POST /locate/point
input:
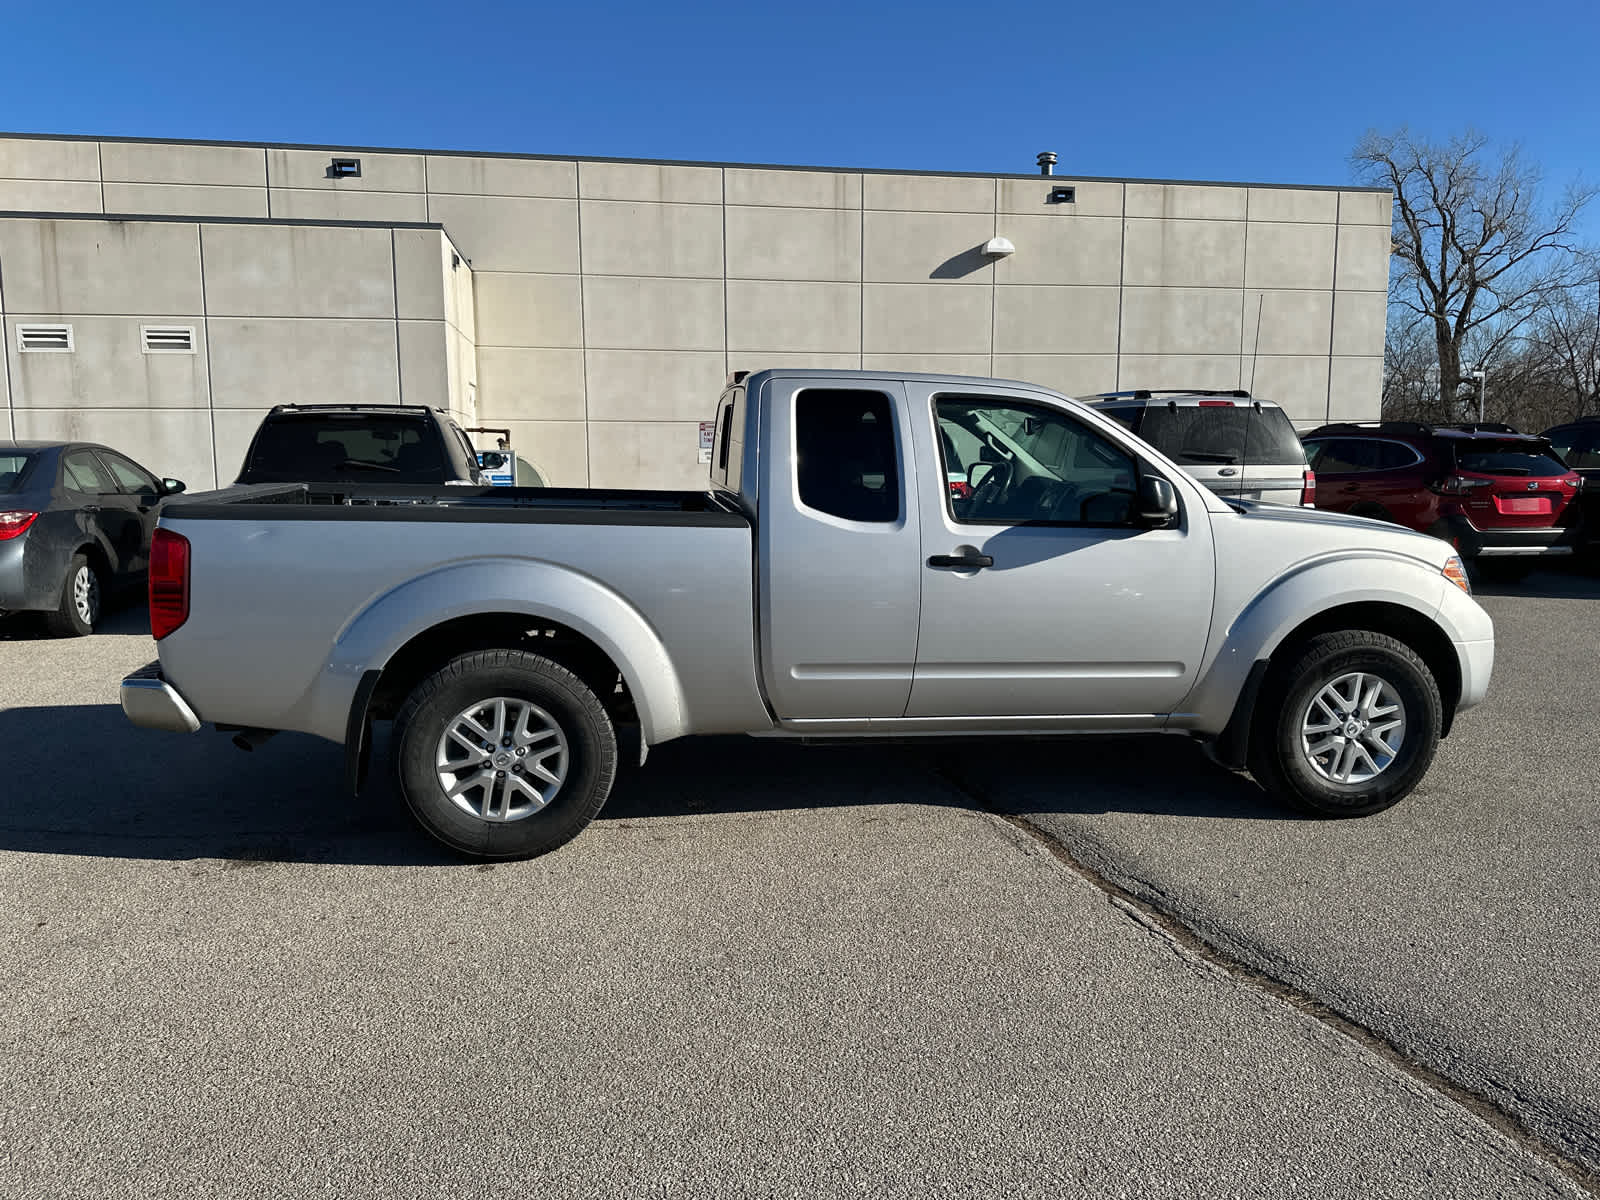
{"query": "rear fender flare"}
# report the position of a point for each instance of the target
(539, 590)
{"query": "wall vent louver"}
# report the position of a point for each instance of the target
(44, 339)
(167, 339)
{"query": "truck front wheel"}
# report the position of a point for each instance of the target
(1348, 726)
(504, 754)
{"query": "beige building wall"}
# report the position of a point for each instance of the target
(606, 301)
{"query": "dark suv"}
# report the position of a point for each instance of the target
(1578, 443)
(1495, 494)
(349, 443)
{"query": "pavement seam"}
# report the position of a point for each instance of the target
(1196, 950)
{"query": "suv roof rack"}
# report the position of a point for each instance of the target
(1419, 429)
(1152, 393)
(1478, 427)
(405, 408)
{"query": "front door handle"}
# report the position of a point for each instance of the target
(91, 508)
(970, 561)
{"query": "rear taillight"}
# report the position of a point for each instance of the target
(1308, 489)
(15, 524)
(169, 582)
(1460, 485)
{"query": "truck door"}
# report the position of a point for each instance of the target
(839, 554)
(1041, 595)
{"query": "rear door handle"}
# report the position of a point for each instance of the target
(962, 562)
(91, 508)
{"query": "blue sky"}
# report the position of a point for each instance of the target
(1240, 90)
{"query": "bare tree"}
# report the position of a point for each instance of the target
(1475, 253)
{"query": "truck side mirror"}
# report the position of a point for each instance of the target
(1158, 502)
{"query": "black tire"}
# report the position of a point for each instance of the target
(69, 618)
(1278, 757)
(589, 761)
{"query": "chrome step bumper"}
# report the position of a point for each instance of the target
(150, 702)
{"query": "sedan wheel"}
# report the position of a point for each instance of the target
(78, 610)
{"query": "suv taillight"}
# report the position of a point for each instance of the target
(169, 582)
(1458, 485)
(1308, 489)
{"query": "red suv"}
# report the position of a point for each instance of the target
(1501, 497)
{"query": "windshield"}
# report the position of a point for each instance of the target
(372, 446)
(13, 466)
(1508, 458)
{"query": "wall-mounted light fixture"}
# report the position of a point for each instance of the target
(1063, 195)
(998, 247)
(344, 168)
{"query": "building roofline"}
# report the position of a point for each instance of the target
(7, 214)
(676, 162)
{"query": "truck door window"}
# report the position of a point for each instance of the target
(1032, 464)
(845, 454)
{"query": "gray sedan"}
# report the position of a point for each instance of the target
(75, 525)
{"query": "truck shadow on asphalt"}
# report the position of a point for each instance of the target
(80, 780)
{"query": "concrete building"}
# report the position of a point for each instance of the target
(160, 296)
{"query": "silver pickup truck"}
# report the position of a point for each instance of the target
(878, 555)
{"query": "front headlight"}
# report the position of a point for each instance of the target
(1456, 573)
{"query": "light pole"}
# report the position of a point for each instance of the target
(1479, 375)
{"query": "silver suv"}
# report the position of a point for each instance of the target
(1238, 446)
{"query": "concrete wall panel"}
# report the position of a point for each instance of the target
(1055, 320)
(917, 247)
(1357, 389)
(928, 193)
(1184, 253)
(1181, 321)
(558, 450)
(1082, 250)
(932, 364)
(108, 367)
(1188, 201)
(49, 195)
(1283, 255)
(1359, 323)
(652, 239)
(69, 267)
(1366, 208)
(233, 428)
(460, 174)
(425, 364)
(501, 233)
(1179, 371)
(1291, 322)
(646, 454)
(652, 314)
(178, 200)
(420, 267)
(298, 271)
(1363, 258)
(824, 317)
(42, 158)
(926, 318)
(793, 189)
(653, 385)
(520, 384)
(793, 243)
(379, 172)
(309, 204)
(1071, 374)
(1294, 204)
(1299, 385)
(1032, 196)
(172, 442)
(760, 360)
(259, 362)
(528, 310)
(650, 182)
(190, 166)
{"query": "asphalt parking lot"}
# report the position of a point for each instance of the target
(1057, 969)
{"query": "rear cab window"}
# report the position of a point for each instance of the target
(846, 454)
(292, 447)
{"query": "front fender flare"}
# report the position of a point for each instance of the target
(538, 590)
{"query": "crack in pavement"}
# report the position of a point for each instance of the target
(1193, 947)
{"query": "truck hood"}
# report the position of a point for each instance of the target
(1340, 530)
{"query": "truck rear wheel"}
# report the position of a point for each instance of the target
(1347, 727)
(504, 754)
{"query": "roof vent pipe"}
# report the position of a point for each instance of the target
(1047, 162)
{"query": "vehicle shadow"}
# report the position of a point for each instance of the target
(1568, 581)
(81, 780)
(125, 619)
